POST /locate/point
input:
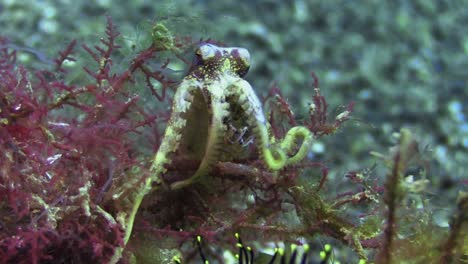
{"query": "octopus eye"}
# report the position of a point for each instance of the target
(242, 57)
(206, 52)
(198, 52)
(197, 59)
(203, 54)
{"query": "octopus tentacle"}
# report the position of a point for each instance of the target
(289, 142)
(172, 136)
(274, 158)
(182, 102)
(256, 118)
(216, 132)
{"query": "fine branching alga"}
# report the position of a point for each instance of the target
(110, 156)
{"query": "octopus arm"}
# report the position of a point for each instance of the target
(216, 132)
(170, 143)
(275, 156)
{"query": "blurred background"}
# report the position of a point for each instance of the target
(403, 64)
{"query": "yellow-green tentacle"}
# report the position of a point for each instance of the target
(275, 157)
(216, 131)
(170, 143)
(290, 142)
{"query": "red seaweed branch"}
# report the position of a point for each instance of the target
(65, 148)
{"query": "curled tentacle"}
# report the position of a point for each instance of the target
(275, 157)
(289, 142)
(216, 132)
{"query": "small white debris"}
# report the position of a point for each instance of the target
(54, 158)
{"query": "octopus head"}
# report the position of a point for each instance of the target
(210, 61)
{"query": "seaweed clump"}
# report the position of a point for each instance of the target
(75, 150)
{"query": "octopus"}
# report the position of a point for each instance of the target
(211, 101)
